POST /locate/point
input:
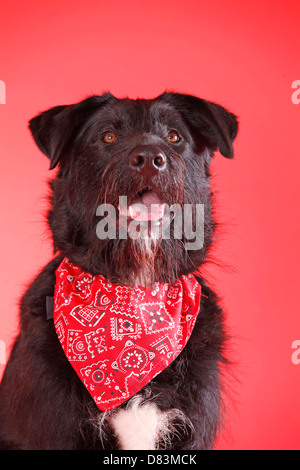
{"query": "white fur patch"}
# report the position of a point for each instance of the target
(142, 426)
(137, 428)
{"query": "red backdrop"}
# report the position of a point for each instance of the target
(244, 55)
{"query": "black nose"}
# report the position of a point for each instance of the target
(147, 160)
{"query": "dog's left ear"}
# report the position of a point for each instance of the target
(54, 130)
(210, 121)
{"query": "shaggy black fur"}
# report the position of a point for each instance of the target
(43, 404)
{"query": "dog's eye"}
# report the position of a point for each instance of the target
(173, 137)
(109, 137)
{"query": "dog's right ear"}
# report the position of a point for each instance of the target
(209, 120)
(55, 130)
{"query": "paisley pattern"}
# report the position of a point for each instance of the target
(118, 338)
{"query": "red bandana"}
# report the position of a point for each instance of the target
(119, 338)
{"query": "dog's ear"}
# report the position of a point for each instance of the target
(54, 130)
(217, 126)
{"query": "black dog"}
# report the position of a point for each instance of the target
(156, 152)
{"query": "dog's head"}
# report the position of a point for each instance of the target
(131, 198)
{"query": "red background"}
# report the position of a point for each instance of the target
(244, 55)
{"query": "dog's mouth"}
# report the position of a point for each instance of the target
(145, 206)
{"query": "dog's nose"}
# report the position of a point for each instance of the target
(147, 160)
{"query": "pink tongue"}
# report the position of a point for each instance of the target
(146, 207)
(149, 197)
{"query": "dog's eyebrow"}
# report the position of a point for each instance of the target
(100, 122)
(166, 114)
(171, 120)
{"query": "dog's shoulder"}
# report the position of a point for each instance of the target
(33, 302)
(210, 321)
(209, 298)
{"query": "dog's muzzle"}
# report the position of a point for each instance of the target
(146, 162)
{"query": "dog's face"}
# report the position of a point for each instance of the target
(128, 170)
